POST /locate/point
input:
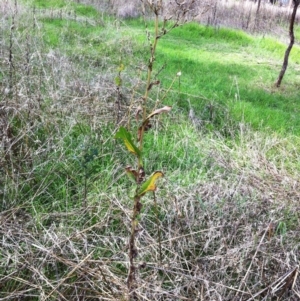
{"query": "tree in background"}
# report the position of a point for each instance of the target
(257, 12)
(292, 41)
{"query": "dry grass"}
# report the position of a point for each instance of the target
(231, 234)
(271, 19)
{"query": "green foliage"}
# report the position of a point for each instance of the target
(67, 34)
(62, 178)
(126, 137)
(86, 11)
(297, 32)
(172, 150)
(79, 9)
(227, 71)
(195, 32)
(49, 3)
(150, 183)
(277, 49)
(216, 63)
(221, 65)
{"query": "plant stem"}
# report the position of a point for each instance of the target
(149, 75)
(131, 280)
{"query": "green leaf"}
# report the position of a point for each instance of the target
(150, 185)
(126, 137)
(121, 67)
(118, 81)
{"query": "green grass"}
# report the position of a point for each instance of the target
(79, 9)
(69, 34)
(233, 67)
(222, 65)
(86, 11)
(49, 3)
(297, 33)
(195, 32)
(69, 173)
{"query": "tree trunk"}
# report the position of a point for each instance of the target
(258, 7)
(256, 21)
(292, 40)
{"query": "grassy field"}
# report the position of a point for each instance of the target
(218, 65)
(226, 222)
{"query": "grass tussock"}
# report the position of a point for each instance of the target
(224, 224)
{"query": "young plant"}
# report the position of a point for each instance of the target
(143, 186)
(137, 173)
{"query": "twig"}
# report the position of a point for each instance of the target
(158, 227)
(68, 275)
(256, 251)
(198, 279)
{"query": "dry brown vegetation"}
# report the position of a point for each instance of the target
(232, 233)
(243, 14)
